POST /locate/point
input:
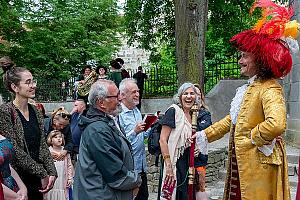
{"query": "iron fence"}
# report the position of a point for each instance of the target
(222, 67)
(161, 82)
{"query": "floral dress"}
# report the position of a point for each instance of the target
(6, 154)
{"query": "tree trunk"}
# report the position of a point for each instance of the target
(190, 28)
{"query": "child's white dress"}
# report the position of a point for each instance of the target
(59, 190)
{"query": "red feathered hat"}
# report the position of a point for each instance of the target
(266, 39)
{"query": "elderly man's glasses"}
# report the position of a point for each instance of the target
(30, 83)
(112, 96)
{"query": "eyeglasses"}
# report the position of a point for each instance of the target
(112, 96)
(64, 115)
(31, 83)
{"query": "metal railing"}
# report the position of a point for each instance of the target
(161, 82)
(221, 68)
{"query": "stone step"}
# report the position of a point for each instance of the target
(293, 158)
(293, 191)
(293, 181)
(293, 168)
(215, 191)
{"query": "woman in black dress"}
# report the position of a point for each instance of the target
(22, 124)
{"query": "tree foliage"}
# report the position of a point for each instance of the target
(150, 21)
(55, 38)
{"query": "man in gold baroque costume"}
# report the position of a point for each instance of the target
(257, 162)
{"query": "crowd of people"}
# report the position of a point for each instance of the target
(116, 72)
(97, 151)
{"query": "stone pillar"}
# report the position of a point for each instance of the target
(291, 86)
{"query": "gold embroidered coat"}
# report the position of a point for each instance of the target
(263, 114)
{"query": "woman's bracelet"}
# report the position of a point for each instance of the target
(167, 156)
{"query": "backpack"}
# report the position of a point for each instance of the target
(153, 141)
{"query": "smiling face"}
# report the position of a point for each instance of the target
(188, 98)
(248, 65)
(87, 71)
(130, 97)
(26, 87)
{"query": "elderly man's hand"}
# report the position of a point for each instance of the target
(139, 127)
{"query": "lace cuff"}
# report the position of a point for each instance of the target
(266, 149)
(202, 142)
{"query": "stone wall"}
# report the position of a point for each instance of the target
(216, 161)
(133, 56)
(291, 86)
(219, 98)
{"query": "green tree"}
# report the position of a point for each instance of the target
(152, 22)
(156, 22)
(11, 30)
(59, 37)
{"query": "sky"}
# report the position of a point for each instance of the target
(121, 4)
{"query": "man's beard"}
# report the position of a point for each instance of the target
(134, 102)
(117, 111)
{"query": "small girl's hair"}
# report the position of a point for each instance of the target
(52, 134)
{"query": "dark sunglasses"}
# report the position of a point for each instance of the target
(64, 115)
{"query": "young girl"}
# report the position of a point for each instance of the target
(64, 168)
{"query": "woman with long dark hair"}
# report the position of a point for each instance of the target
(23, 125)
